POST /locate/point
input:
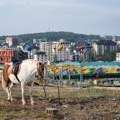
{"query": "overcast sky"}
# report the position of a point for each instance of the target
(99, 17)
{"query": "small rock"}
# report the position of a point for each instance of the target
(113, 99)
(65, 106)
(81, 107)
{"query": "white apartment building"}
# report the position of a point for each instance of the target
(52, 52)
(118, 57)
(117, 40)
(39, 55)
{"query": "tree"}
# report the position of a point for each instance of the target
(109, 56)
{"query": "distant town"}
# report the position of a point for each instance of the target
(77, 49)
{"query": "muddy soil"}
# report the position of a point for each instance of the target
(67, 109)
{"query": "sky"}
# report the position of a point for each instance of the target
(98, 17)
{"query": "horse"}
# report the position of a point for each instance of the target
(25, 75)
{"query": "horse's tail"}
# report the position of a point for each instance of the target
(5, 78)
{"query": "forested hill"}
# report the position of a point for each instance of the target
(69, 36)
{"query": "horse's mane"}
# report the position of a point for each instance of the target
(30, 60)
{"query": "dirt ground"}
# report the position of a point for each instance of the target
(74, 108)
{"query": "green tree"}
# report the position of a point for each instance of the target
(109, 56)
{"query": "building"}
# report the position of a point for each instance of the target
(12, 41)
(102, 46)
(118, 57)
(117, 40)
(40, 55)
(53, 52)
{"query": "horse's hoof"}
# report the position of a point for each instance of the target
(9, 100)
(32, 103)
(12, 99)
(23, 103)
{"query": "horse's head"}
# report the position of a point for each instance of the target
(40, 68)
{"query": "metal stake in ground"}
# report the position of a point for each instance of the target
(58, 85)
(44, 84)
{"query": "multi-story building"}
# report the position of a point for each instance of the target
(11, 41)
(40, 55)
(117, 40)
(102, 46)
(64, 53)
(47, 48)
(52, 51)
(118, 57)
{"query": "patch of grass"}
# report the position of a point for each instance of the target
(87, 92)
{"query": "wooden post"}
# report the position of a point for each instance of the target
(44, 84)
(69, 73)
(58, 92)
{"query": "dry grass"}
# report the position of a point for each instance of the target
(77, 104)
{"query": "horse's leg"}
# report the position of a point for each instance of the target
(22, 90)
(10, 87)
(8, 92)
(5, 86)
(31, 96)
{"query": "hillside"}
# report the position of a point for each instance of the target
(69, 36)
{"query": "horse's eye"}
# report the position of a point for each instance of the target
(40, 63)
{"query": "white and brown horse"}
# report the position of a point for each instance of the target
(26, 75)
